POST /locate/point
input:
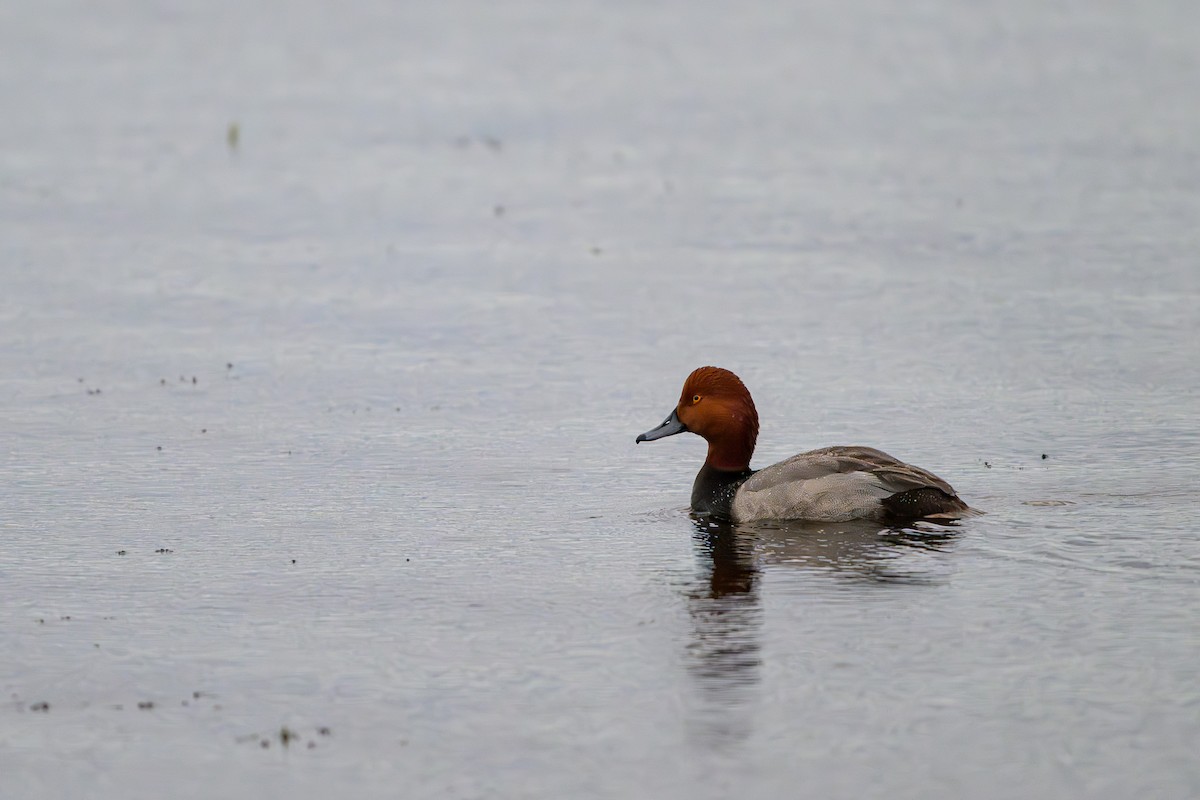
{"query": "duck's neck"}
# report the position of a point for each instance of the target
(727, 466)
(731, 453)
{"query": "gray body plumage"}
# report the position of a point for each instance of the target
(833, 484)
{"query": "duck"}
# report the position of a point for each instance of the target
(831, 484)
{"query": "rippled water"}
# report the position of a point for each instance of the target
(326, 332)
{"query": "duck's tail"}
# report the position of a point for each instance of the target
(928, 502)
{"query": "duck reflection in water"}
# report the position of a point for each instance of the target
(724, 656)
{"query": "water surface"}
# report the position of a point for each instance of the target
(331, 429)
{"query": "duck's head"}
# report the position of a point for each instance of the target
(714, 404)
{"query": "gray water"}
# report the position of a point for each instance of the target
(326, 331)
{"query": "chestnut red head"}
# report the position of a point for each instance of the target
(714, 404)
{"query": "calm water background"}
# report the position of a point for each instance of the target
(371, 375)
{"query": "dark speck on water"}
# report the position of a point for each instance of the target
(779, 190)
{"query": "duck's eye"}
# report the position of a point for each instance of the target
(695, 399)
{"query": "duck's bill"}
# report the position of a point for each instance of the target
(669, 427)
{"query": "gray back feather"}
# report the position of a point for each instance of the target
(892, 474)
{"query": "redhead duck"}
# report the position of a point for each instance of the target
(833, 484)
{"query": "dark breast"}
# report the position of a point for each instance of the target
(713, 491)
